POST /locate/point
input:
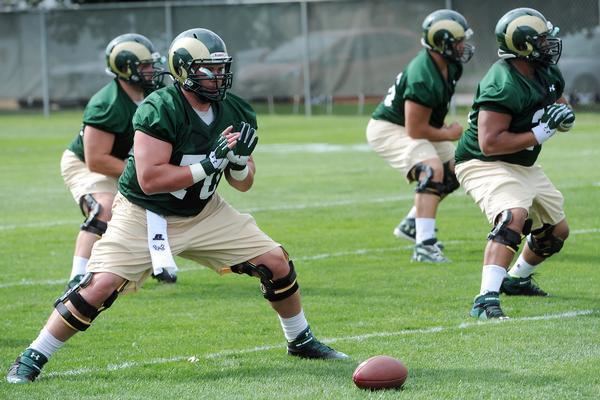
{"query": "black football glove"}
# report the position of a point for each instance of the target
(246, 143)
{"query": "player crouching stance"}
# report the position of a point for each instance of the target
(185, 140)
(518, 106)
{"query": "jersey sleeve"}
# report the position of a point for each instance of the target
(420, 92)
(104, 116)
(152, 118)
(499, 98)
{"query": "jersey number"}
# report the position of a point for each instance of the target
(391, 92)
(536, 120)
(209, 184)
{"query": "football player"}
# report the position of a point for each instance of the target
(96, 157)
(518, 106)
(407, 128)
(187, 137)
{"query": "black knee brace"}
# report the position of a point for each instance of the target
(502, 234)
(426, 185)
(543, 242)
(81, 305)
(91, 210)
(450, 181)
(272, 290)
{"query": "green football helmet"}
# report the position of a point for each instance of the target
(127, 57)
(443, 30)
(525, 33)
(193, 56)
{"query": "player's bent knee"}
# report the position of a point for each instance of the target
(423, 174)
(88, 311)
(501, 233)
(450, 180)
(280, 289)
(91, 209)
(543, 242)
(272, 289)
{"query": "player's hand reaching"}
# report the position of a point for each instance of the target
(454, 131)
(246, 143)
(567, 123)
(556, 116)
(217, 158)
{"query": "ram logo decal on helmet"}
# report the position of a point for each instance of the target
(199, 62)
(443, 30)
(513, 30)
(525, 33)
(188, 49)
(124, 51)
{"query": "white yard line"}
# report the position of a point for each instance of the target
(322, 256)
(357, 338)
(324, 204)
(27, 282)
(42, 224)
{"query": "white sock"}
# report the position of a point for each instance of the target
(294, 326)
(491, 278)
(521, 269)
(79, 266)
(46, 343)
(412, 213)
(425, 229)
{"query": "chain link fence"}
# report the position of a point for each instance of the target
(298, 52)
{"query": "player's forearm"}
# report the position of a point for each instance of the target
(106, 164)
(428, 132)
(235, 180)
(505, 142)
(164, 178)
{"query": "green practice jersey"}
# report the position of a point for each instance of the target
(505, 90)
(166, 115)
(423, 83)
(109, 110)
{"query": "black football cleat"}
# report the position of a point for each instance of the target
(74, 282)
(307, 346)
(487, 306)
(26, 367)
(165, 277)
(512, 286)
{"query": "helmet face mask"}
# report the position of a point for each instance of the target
(131, 57)
(447, 32)
(461, 50)
(149, 73)
(209, 80)
(198, 60)
(546, 49)
(525, 33)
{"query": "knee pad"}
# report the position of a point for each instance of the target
(450, 181)
(543, 242)
(501, 234)
(91, 210)
(426, 185)
(84, 308)
(272, 290)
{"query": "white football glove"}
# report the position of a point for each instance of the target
(553, 116)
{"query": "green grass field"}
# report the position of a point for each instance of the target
(333, 204)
